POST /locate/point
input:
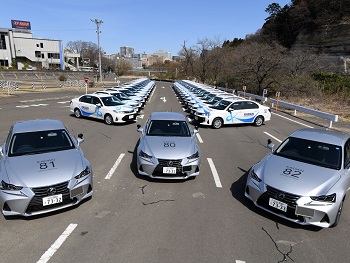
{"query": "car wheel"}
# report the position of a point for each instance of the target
(108, 119)
(258, 121)
(77, 113)
(337, 218)
(217, 123)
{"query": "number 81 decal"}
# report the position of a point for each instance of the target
(46, 164)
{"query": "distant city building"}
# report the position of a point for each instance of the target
(164, 54)
(126, 51)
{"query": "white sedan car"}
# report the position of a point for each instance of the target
(233, 111)
(104, 107)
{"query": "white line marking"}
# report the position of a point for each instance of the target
(55, 246)
(273, 137)
(214, 172)
(199, 138)
(152, 94)
(240, 261)
(117, 162)
(63, 102)
(293, 120)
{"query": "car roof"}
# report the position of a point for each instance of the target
(100, 95)
(234, 98)
(167, 116)
(37, 125)
(326, 136)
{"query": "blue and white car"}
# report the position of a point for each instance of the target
(126, 101)
(233, 111)
(104, 107)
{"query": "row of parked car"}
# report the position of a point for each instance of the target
(213, 107)
(118, 104)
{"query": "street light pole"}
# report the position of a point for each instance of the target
(98, 23)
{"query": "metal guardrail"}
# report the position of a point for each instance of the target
(249, 95)
(321, 114)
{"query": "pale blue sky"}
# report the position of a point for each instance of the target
(147, 26)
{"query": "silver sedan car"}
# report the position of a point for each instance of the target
(305, 180)
(42, 169)
(167, 148)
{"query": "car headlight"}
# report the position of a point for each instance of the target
(145, 156)
(254, 176)
(193, 156)
(325, 198)
(10, 187)
(84, 173)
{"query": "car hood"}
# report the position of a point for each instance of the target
(121, 108)
(44, 169)
(205, 110)
(296, 177)
(164, 147)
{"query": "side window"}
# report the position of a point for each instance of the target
(86, 99)
(236, 106)
(347, 154)
(250, 105)
(96, 100)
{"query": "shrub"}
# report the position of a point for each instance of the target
(62, 78)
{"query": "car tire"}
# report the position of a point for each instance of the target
(77, 113)
(340, 209)
(108, 119)
(259, 121)
(217, 123)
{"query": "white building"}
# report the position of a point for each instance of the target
(18, 45)
(162, 53)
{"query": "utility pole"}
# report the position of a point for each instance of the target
(98, 23)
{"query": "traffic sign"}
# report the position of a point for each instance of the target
(86, 80)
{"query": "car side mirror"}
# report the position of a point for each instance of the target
(270, 145)
(98, 104)
(1, 153)
(139, 129)
(196, 129)
(80, 138)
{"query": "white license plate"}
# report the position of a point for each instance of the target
(278, 204)
(169, 170)
(53, 199)
(131, 116)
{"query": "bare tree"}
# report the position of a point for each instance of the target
(207, 63)
(121, 67)
(189, 57)
(88, 50)
(259, 63)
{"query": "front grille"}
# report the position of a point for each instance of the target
(36, 204)
(127, 118)
(288, 198)
(158, 171)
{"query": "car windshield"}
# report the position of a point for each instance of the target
(40, 142)
(111, 101)
(168, 128)
(123, 96)
(220, 105)
(312, 152)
